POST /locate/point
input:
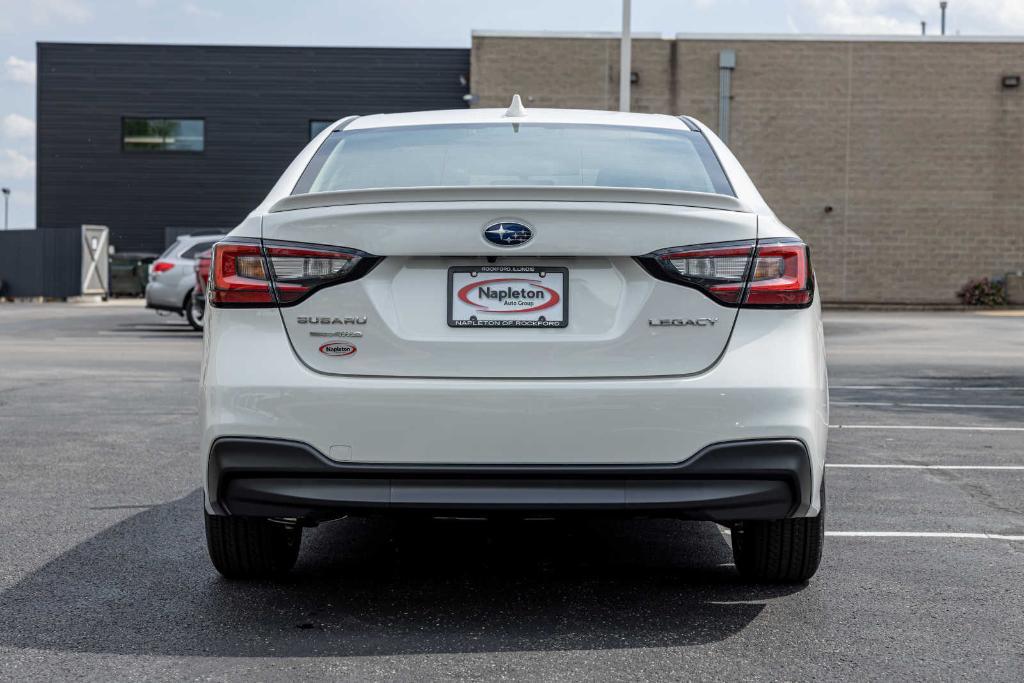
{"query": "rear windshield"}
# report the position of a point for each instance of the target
(171, 249)
(567, 155)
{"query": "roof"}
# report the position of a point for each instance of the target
(432, 118)
(605, 35)
(783, 37)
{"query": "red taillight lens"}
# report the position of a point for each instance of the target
(781, 276)
(239, 276)
(765, 274)
(248, 273)
(162, 266)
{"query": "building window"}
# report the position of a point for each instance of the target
(163, 135)
(317, 127)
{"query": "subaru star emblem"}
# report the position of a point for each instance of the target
(507, 234)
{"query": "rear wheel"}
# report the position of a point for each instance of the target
(194, 312)
(251, 547)
(779, 551)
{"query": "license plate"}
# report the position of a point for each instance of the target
(508, 296)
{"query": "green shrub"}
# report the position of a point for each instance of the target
(983, 292)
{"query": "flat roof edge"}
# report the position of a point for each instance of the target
(816, 37)
(849, 38)
(249, 46)
(602, 35)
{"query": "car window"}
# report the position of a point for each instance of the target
(175, 245)
(568, 155)
(198, 248)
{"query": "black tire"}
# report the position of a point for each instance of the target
(194, 313)
(779, 551)
(251, 547)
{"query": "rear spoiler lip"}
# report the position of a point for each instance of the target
(542, 193)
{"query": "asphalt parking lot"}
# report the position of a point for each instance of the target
(104, 575)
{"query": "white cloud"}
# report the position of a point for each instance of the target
(17, 127)
(20, 70)
(194, 10)
(15, 165)
(45, 12)
(971, 17)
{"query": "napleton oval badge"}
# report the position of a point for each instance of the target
(509, 295)
(337, 349)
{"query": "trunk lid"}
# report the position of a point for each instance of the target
(395, 320)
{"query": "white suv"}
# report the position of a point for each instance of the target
(543, 312)
(172, 278)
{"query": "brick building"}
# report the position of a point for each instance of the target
(900, 160)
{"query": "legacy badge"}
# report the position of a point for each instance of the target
(682, 322)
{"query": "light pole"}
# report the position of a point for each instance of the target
(625, 54)
(7, 198)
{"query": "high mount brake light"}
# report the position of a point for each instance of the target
(250, 273)
(766, 274)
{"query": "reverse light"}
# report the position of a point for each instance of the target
(297, 270)
(768, 273)
(255, 273)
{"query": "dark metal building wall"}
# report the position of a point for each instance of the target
(44, 262)
(257, 103)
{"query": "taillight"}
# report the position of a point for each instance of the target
(768, 273)
(781, 276)
(239, 275)
(719, 270)
(162, 266)
(298, 270)
(251, 273)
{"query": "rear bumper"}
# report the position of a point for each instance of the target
(762, 479)
(162, 296)
(770, 385)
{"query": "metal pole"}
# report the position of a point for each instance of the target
(726, 65)
(7, 198)
(625, 55)
(924, 25)
(942, 6)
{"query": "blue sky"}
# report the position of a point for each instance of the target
(442, 23)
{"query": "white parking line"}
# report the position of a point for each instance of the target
(914, 534)
(924, 534)
(875, 387)
(890, 404)
(938, 427)
(925, 467)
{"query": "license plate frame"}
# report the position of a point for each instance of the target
(478, 275)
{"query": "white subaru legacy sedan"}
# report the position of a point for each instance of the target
(529, 312)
